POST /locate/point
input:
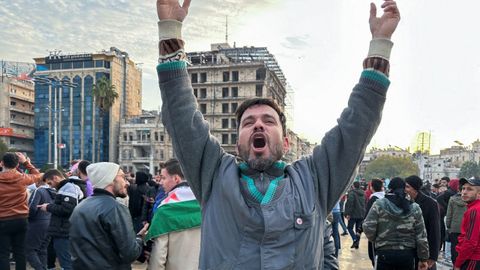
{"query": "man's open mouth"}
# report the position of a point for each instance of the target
(259, 141)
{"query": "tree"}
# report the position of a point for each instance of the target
(105, 95)
(3, 148)
(469, 169)
(388, 167)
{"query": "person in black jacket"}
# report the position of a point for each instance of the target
(102, 235)
(38, 221)
(69, 194)
(355, 212)
(431, 217)
(139, 195)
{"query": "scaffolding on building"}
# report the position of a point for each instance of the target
(238, 55)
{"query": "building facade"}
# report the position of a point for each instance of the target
(17, 113)
(65, 107)
(224, 77)
(143, 143)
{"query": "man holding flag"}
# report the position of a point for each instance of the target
(175, 227)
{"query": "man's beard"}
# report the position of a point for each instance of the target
(117, 191)
(260, 163)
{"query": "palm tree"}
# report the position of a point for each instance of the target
(105, 95)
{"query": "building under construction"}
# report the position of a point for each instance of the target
(224, 77)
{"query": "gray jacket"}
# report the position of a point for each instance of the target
(286, 230)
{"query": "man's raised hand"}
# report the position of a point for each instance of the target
(384, 26)
(171, 10)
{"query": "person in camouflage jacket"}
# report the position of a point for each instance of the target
(396, 227)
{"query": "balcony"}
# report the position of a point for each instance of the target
(21, 97)
(140, 159)
(15, 109)
(29, 124)
(141, 143)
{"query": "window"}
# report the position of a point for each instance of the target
(203, 92)
(259, 90)
(162, 155)
(233, 123)
(225, 123)
(234, 91)
(233, 138)
(162, 137)
(13, 103)
(203, 77)
(194, 78)
(130, 136)
(203, 108)
(261, 74)
(225, 92)
(99, 63)
(78, 64)
(125, 136)
(226, 76)
(156, 136)
(224, 138)
(67, 65)
(224, 107)
(195, 92)
(88, 64)
(235, 76)
(234, 107)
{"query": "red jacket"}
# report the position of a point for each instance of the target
(13, 191)
(468, 246)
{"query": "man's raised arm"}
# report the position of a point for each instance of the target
(335, 160)
(198, 152)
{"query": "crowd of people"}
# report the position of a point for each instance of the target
(209, 209)
(403, 220)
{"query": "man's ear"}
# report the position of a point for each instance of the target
(286, 144)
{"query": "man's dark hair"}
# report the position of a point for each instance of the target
(261, 101)
(173, 167)
(82, 166)
(446, 178)
(48, 175)
(377, 185)
(10, 160)
(356, 184)
(436, 185)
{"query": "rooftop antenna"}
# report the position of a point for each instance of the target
(226, 29)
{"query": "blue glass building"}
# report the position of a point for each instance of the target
(83, 130)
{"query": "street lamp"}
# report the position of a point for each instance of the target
(54, 83)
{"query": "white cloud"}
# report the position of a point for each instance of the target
(319, 45)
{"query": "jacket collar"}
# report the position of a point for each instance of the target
(276, 170)
(102, 192)
(473, 204)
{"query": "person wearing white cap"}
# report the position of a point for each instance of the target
(102, 235)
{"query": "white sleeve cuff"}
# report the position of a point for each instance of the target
(380, 47)
(169, 29)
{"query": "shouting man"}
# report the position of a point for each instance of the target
(257, 211)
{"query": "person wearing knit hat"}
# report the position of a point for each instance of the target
(431, 216)
(101, 227)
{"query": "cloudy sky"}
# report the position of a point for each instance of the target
(319, 44)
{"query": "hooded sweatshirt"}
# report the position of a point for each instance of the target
(13, 187)
(390, 228)
(355, 206)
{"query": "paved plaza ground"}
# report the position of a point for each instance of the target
(350, 259)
